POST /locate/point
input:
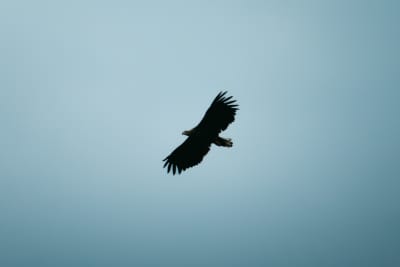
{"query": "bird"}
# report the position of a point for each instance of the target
(218, 116)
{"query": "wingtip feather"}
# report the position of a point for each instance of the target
(169, 167)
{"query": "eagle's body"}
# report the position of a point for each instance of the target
(217, 118)
(219, 141)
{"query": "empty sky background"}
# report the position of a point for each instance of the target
(94, 94)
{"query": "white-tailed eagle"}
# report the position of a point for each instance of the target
(191, 152)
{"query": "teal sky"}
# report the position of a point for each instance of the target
(94, 94)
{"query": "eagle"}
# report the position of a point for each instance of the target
(218, 116)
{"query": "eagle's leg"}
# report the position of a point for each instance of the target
(220, 141)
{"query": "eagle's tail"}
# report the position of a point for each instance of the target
(220, 141)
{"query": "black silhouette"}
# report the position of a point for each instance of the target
(191, 152)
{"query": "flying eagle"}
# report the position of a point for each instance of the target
(191, 152)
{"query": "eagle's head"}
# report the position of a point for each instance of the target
(187, 132)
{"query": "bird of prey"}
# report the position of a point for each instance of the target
(219, 115)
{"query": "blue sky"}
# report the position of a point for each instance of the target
(94, 94)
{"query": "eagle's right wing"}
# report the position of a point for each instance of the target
(188, 154)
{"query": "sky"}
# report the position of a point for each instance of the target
(94, 94)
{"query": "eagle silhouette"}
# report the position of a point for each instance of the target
(219, 115)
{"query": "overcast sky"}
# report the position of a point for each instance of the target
(94, 94)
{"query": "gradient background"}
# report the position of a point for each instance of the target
(94, 94)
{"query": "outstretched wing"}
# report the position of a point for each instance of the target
(219, 115)
(188, 154)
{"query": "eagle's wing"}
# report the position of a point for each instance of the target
(188, 154)
(219, 115)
